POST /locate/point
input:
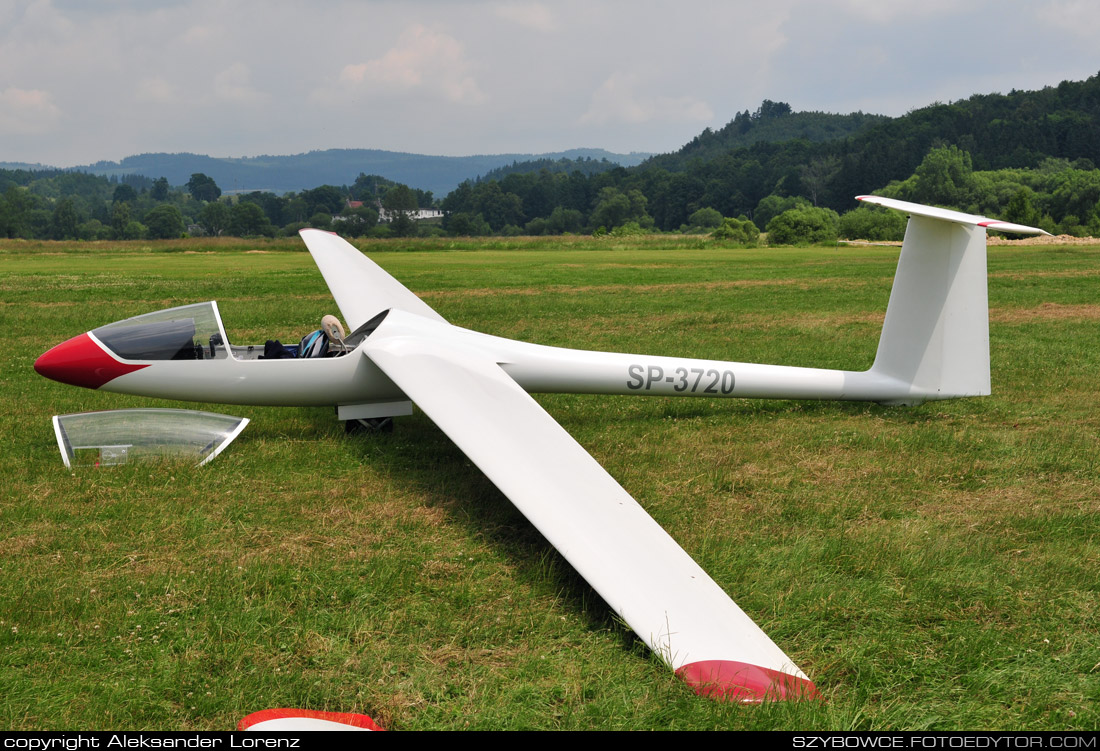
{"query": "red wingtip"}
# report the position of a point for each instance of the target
(359, 721)
(82, 362)
(727, 680)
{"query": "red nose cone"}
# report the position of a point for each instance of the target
(739, 681)
(82, 362)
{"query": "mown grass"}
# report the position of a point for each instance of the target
(930, 568)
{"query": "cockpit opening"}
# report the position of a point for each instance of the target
(195, 332)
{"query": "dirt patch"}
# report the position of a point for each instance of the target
(1048, 311)
(1042, 240)
(634, 288)
(1002, 240)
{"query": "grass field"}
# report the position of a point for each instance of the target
(932, 567)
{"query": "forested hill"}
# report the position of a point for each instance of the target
(438, 174)
(998, 131)
(1039, 147)
(586, 166)
(773, 122)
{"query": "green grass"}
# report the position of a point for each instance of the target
(930, 568)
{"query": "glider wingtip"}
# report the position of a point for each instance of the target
(728, 680)
(285, 719)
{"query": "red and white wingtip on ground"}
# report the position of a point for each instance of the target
(948, 215)
(298, 720)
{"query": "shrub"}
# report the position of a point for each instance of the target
(803, 226)
(740, 231)
(872, 223)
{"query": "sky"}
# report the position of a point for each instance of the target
(83, 81)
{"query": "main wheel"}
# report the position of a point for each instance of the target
(369, 425)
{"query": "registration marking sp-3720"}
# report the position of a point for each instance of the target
(712, 380)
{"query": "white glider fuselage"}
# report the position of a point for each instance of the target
(352, 379)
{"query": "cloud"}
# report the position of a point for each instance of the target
(1079, 18)
(422, 61)
(201, 35)
(879, 12)
(616, 101)
(27, 111)
(530, 15)
(156, 90)
(234, 84)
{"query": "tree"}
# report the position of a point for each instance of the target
(124, 194)
(326, 198)
(614, 208)
(469, 225)
(214, 218)
(499, 208)
(703, 219)
(772, 206)
(741, 231)
(120, 219)
(400, 198)
(248, 219)
(564, 220)
(132, 231)
(403, 225)
(164, 222)
(1020, 209)
(817, 173)
(872, 223)
(803, 226)
(356, 222)
(14, 207)
(159, 191)
(203, 188)
(64, 221)
(945, 176)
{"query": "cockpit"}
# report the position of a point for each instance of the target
(195, 332)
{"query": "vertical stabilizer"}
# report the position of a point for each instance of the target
(936, 333)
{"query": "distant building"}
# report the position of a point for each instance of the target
(386, 216)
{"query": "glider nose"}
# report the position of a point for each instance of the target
(81, 362)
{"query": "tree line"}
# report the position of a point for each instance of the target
(1027, 157)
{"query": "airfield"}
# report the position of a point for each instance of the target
(930, 568)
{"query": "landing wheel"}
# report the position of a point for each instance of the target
(369, 425)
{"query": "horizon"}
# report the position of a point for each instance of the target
(312, 151)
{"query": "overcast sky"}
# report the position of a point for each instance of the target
(82, 81)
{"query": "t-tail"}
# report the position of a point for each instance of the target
(936, 333)
(934, 342)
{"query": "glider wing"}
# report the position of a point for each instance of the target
(639, 570)
(361, 288)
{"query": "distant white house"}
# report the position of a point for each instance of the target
(386, 217)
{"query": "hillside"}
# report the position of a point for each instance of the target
(279, 174)
(773, 122)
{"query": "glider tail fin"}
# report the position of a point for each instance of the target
(936, 333)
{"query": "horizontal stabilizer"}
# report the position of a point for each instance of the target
(948, 215)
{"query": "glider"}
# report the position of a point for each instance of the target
(475, 387)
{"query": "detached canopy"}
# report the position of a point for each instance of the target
(125, 435)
